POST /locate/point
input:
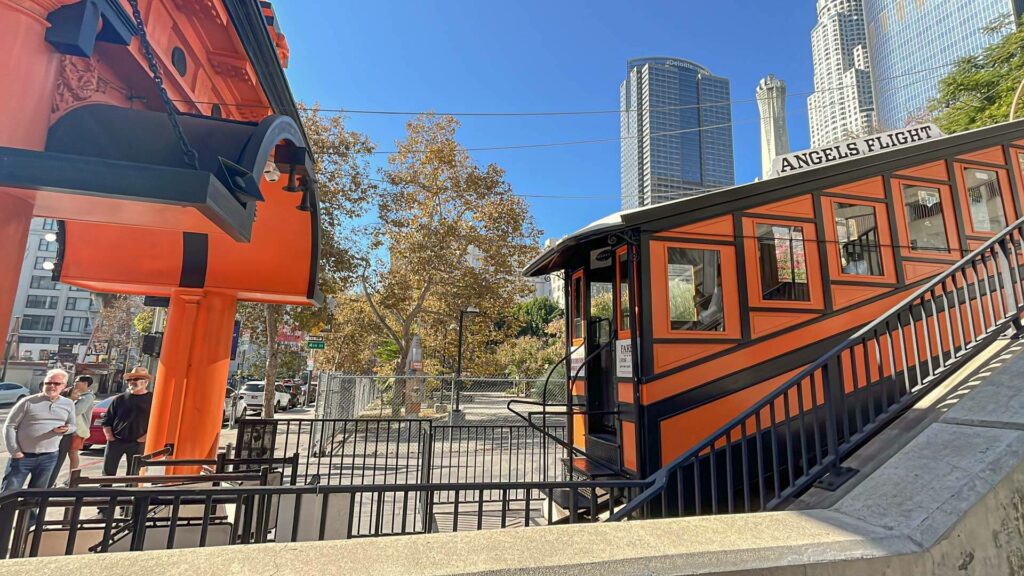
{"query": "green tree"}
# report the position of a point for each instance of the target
(980, 90)
(143, 321)
(535, 314)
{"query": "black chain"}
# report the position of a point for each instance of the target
(191, 157)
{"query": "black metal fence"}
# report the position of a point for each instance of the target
(800, 433)
(472, 400)
(341, 451)
(387, 451)
(74, 521)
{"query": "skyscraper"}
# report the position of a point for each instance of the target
(841, 106)
(53, 315)
(676, 131)
(771, 103)
(913, 43)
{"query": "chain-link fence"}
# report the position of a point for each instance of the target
(442, 399)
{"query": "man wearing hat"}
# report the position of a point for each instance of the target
(127, 420)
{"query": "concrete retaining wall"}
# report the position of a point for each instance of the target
(950, 502)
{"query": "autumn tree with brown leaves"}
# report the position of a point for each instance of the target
(451, 235)
(344, 187)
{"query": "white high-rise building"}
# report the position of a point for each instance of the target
(55, 317)
(842, 105)
(771, 103)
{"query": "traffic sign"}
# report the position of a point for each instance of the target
(313, 345)
(314, 338)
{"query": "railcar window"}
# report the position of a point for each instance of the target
(623, 280)
(602, 297)
(926, 226)
(783, 263)
(577, 307)
(985, 200)
(857, 236)
(695, 290)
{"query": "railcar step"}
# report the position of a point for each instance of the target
(591, 468)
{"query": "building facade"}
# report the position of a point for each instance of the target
(54, 316)
(676, 131)
(842, 106)
(914, 43)
(771, 104)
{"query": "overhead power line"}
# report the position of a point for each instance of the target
(543, 113)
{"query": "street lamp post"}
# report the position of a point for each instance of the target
(15, 328)
(458, 362)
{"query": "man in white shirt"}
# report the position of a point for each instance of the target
(33, 431)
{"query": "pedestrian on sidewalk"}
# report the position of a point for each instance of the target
(73, 442)
(33, 431)
(127, 420)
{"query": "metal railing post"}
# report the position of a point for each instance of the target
(832, 382)
(8, 510)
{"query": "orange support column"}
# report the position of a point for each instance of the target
(29, 68)
(188, 402)
(15, 217)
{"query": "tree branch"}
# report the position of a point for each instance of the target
(380, 317)
(414, 315)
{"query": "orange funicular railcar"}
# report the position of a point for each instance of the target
(682, 315)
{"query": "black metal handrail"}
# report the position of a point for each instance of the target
(801, 432)
(567, 443)
(253, 514)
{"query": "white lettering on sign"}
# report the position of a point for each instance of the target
(576, 363)
(624, 358)
(808, 159)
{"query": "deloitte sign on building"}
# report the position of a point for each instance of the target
(808, 159)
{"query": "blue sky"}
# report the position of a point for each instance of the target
(529, 55)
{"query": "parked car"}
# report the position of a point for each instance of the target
(232, 398)
(96, 436)
(252, 396)
(11, 392)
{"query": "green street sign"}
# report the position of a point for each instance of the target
(315, 345)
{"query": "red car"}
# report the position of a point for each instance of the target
(96, 437)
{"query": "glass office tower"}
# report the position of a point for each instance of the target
(913, 43)
(676, 131)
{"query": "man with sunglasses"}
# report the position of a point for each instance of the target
(33, 432)
(127, 420)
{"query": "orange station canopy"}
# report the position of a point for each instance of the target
(223, 227)
(137, 218)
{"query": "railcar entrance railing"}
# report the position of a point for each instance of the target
(801, 433)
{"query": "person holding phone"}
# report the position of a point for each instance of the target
(33, 431)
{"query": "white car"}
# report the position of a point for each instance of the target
(252, 396)
(11, 392)
(233, 400)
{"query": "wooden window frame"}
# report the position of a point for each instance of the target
(1018, 170)
(620, 333)
(1005, 192)
(573, 296)
(948, 221)
(751, 247)
(662, 321)
(885, 247)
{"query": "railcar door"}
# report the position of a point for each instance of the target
(602, 435)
